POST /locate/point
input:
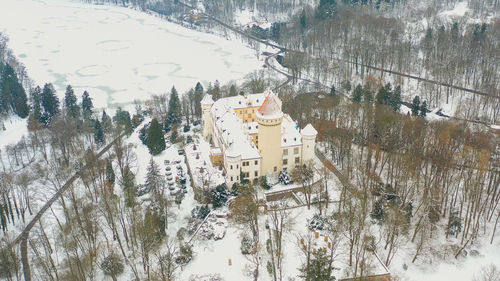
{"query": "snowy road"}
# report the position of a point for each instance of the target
(118, 54)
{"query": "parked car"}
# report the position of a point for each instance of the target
(176, 162)
(166, 162)
(180, 151)
(168, 168)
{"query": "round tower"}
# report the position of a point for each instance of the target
(269, 117)
(308, 142)
(206, 105)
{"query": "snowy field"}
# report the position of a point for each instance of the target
(115, 53)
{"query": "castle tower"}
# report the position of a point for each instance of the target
(269, 117)
(206, 105)
(308, 142)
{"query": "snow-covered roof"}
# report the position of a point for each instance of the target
(207, 100)
(290, 135)
(232, 132)
(309, 130)
(252, 127)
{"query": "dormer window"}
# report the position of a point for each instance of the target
(239, 102)
(284, 140)
(294, 139)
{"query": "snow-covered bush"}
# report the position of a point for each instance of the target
(247, 244)
(112, 265)
(220, 195)
(317, 223)
(200, 212)
(206, 277)
(285, 178)
(185, 254)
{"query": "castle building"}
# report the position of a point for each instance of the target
(252, 137)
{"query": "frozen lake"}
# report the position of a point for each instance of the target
(115, 53)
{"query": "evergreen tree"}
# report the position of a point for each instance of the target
(303, 20)
(395, 101)
(357, 94)
(12, 94)
(128, 185)
(220, 196)
(174, 108)
(153, 177)
(110, 173)
(233, 91)
(198, 96)
(70, 103)
(50, 104)
(367, 94)
(423, 109)
(98, 133)
(87, 106)
(122, 120)
(326, 9)
(35, 99)
(155, 140)
(174, 135)
(384, 94)
(319, 267)
(333, 91)
(216, 92)
(106, 122)
(415, 106)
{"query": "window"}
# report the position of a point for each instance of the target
(284, 140)
(231, 167)
(284, 168)
(285, 161)
(253, 120)
(249, 115)
(285, 151)
(296, 150)
(246, 175)
(256, 173)
(297, 160)
(275, 168)
(231, 178)
(253, 110)
(237, 178)
(256, 137)
(256, 162)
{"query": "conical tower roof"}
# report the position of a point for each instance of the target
(270, 107)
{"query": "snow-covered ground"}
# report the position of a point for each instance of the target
(116, 53)
(15, 128)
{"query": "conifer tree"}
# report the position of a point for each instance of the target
(106, 122)
(35, 99)
(12, 94)
(122, 119)
(70, 103)
(326, 9)
(415, 106)
(333, 91)
(87, 106)
(50, 104)
(395, 101)
(216, 92)
(233, 91)
(153, 177)
(174, 108)
(198, 96)
(423, 109)
(128, 185)
(367, 94)
(357, 94)
(98, 133)
(155, 140)
(110, 173)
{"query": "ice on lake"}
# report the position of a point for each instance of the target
(116, 53)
